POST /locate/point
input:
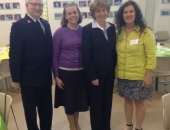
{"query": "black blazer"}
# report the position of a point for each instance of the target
(99, 54)
(30, 53)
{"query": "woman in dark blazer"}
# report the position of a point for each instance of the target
(100, 56)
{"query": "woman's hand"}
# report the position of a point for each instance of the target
(147, 82)
(95, 82)
(148, 79)
(59, 83)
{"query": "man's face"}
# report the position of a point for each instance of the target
(34, 8)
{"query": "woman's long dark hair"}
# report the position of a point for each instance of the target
(139, 20)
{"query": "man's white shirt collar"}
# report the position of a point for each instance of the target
(33, 18)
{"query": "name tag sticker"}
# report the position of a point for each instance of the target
(133, 42)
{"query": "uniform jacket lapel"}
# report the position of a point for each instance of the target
(33, 25)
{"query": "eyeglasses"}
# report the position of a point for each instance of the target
(35, 5)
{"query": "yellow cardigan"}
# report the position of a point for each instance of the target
(135, 54)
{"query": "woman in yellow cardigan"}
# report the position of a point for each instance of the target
(136, 60)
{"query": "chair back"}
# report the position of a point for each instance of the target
(7, 45)
(4, 66)
(163, 64)
(161, 36)
(5, 107)
(166, 111)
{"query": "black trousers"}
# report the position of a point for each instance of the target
(37, 99)
(101, 102)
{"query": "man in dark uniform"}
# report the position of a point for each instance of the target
(30, 65)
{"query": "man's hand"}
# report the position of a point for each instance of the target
(95, 82)
(16, 85)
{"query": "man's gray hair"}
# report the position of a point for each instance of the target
(26, 1)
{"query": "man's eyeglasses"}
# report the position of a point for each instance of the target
(35, 5)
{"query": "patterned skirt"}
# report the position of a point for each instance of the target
(133, 89)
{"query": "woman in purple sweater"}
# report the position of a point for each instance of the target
(68, 66)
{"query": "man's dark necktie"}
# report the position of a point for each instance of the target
(38, 24)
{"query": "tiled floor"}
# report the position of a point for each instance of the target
(153, 120)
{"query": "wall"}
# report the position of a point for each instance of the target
(56, 23)
(161, 23)
(5, 26)
(149, 13)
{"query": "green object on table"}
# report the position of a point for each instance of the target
(162, 51)
(2, 124)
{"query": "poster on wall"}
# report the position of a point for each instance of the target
(57, 4)
(165, 12)
(57, 16)
(165, 1)
(1, 6)
(7, 6)
(9, 16)
(2, 17)
(16, 5)
(88, 3)
(17, 17)
(84, 15)
(89, 15)
(111, 2)
(82, 4)
(111, 14)
(65, 3)
(118, 2)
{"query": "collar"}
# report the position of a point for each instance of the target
(32, 18)
(137, 28)
(96, 25)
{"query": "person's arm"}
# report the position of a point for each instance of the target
(87, 55)
(149, 43)
(55, 57)
(114, 49)
(16, 53)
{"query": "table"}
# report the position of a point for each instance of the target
(4, 53)
(163, 61)
(162, 51)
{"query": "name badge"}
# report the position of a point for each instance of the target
(133, 42)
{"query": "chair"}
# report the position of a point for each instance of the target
(4, 67)
(166, 111)
(162, 36)
(5, 73)
(2, 80)
(4, 109)
(162, 72)
(7, 45)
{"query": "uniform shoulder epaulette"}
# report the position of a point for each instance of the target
(43, 20)
(18, 21)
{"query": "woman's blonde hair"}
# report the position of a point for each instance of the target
(64, 21)
(96, 4)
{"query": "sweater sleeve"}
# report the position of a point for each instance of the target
(16, 51)
(56, 52)
(149, 43)
(87, 54)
